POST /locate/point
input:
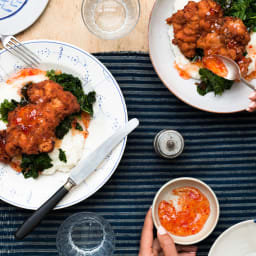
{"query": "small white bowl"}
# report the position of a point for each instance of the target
(165, 193)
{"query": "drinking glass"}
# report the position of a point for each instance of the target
(110, 19)
(85, 234)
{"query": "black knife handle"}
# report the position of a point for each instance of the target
(42, 211)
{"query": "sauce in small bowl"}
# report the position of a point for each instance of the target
(187, 208)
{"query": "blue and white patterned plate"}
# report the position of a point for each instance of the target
(110, 114)
(17, 15)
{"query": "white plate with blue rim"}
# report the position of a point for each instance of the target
(17, 15)
(110, 114)
(238, 240)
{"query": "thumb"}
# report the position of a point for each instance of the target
(166, 242)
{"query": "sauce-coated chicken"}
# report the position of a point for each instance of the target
(31, 128)
(202, 25)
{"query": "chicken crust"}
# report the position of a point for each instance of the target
(31, 128)
(203, 25)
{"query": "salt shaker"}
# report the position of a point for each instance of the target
(169, 144)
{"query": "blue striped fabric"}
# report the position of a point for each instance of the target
(219, 149)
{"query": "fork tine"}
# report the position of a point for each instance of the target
(21, 51)
(15, 41)
(20, 54)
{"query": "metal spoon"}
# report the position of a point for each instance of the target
(234, 72)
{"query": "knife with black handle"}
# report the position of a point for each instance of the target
(83, 169)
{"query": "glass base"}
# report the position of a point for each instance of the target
(110, 19)
(85, 234)
(109, 15)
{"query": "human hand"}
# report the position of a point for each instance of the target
(252, 105)
(163, 245)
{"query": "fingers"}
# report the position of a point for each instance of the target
(146, 242)
(253, 96)
(187, 250)
(156, 247)
(181, 248)
(187, 254)
(166, 242)
(252, 105)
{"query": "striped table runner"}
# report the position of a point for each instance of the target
(219, 149)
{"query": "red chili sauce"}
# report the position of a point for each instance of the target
(191, 215)
(215, 65)
(24, 73)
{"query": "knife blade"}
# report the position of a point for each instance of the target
(90, 163)
(83, 169)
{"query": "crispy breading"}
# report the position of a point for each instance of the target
(202, 25)
(31, 128)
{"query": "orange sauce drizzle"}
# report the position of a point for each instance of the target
(251, 50)
(85, 119)
(188, 69)
(24, 73)
(183, 73)
(215, 65)
(251, 76)
(57, 143)
(15, 163)
(15, 166)
(191, 215)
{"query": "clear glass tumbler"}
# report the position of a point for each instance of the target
(85, 234)
(110, 19)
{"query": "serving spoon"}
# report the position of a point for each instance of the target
(234, 72)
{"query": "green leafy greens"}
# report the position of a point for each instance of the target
(31, 165)
(5, 107)
(243, 9)
(62, 156)
(64, 126)
(212, 83)
(74, 85)
(199, 55)
(86, 101)
(79, 127)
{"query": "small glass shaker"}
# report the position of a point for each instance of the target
(169, 144)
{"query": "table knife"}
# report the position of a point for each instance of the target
(78, 174)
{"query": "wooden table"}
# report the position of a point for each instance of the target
(62, 21)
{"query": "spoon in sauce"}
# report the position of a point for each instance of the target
(233, 70)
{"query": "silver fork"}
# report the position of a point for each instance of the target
(15, 47)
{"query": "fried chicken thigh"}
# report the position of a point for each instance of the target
(203, 25)
(31, 128)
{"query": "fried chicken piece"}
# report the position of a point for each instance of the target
(244, 65)
(186, 28)
(4, 157)
(193, 21)
(230, 40)
(31, 128)
(203, 25)
(235, 36)
(210, 14)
